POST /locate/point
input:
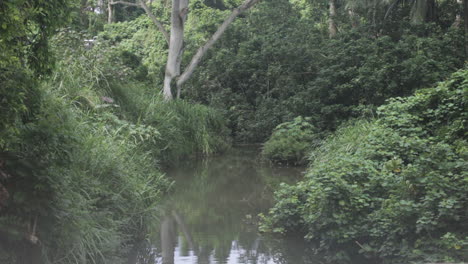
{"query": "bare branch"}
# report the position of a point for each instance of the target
(389, 10)
(219, 32)
(156, 22)
(125, 3)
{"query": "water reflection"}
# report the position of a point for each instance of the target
(212, 215)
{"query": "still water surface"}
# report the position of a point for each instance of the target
(212, 215)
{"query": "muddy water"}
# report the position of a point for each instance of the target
(212, 215)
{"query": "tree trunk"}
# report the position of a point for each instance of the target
(168, 239)
(176, 43)
(102, 6)
(332, 29)
(172, 76)
(458, 18)
(374, 15)
(419, 11)
(185, 230)
(465, 18)
(431, 11)
(353, 18)
(110, 12)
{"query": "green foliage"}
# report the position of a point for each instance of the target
(139, 38)
(184, 129)
(18, 100)
(82, 148)
(25, 27)
(291, 141)
(278, 62)
(188, 130)
(278, 65)
(91, 186)
(394, 188)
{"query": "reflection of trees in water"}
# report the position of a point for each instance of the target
(249, 248)
(143, 253)
(214, 209)
(168, 240)
(18, 250)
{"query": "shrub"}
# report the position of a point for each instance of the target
(394, 188)
(291, 141)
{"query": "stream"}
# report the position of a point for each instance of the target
(212, 214)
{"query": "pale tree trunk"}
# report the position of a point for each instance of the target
(458, 18)
(176, 45)
(374, 15)
(185, 230)
(353, 18)
(110, 12)
(465, 18)
(101, 5)
(332, 29)
(168, 240)
(173, 76)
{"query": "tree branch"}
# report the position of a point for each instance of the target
(156, 22)
(125, 3)
(219, 32)
(389, 10)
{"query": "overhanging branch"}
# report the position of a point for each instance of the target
(148, 12)
(158, 24)
(124, 3)
(219, 32)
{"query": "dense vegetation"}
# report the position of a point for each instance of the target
(85, 126)
(279, 63)
(81, 141)
(392, 188)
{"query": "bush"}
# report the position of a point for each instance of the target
(291, 141)
(394, 188)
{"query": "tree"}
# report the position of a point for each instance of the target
(332, 28)
(174, 78)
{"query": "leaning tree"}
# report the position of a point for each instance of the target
(174, 79)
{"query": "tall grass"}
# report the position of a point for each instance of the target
(102, 187)
(184, 129)
(187, 129)
(92, 183)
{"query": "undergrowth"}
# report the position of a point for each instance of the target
(392, 189)
(80, 158)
